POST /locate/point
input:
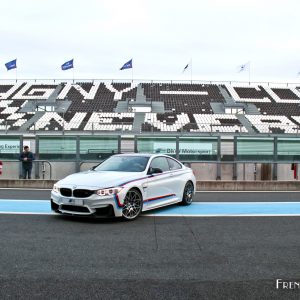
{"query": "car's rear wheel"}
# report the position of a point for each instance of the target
(133, 205)
(188, 193)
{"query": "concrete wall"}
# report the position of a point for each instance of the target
(10, 170)
(285, 172)
(62, 169)
(245, 171)
(203, 171)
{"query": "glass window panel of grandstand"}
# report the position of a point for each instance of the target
(255, 149)
(288, 149)
(157, 145)
(198, 149)
(58, 148)
(10, 148)
(92, 148)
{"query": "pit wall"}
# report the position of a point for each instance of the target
(248, 172)
(202, 171)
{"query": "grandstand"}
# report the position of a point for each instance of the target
(150, 107)
(224, 130)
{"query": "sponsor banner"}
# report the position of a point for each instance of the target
(184, 148)
(9, 146)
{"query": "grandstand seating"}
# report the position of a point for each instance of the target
(201, 123)
(187, 107)
(187, 98)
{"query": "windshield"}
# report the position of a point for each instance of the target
(124, 164)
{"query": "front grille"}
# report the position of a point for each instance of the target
(79, 193)
(75, 208)
(66, 192)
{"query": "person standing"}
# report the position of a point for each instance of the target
(26, 157)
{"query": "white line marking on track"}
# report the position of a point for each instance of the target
(26, 200)
(245, 203)
(26, 189)
(247, 191)
(39, 189)
(25, 213)
(225, 216)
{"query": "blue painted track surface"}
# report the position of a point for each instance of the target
(232, 209)
(196, 209)
(25, 206)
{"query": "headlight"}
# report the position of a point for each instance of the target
(110, 191)
(55, 188)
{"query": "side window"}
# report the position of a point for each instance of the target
(174, 165)
(161, 163)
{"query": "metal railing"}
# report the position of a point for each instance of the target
(17, 172)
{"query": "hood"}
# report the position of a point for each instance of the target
(103, 179)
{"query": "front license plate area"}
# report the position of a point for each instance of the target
(78, 202)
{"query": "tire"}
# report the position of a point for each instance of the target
(133, 205)
(188, 194)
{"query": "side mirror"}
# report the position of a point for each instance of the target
(154, 171)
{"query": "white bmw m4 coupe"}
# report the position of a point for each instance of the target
(124, 186)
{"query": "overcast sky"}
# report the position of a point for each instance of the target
(160, 35)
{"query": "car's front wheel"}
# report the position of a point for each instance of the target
(188, 193)
(133, 205)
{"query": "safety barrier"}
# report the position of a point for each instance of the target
(203, 170)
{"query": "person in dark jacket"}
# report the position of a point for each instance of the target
(26, 157)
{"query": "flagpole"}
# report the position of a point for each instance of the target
(191, 70)
(16, 74)
(249, 72)
(73, 74)
(132, 74)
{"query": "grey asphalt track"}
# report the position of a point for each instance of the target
(57, 257)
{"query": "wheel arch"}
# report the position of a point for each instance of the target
(137, 189)
(191, 181)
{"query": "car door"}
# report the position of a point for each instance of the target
(159, 185)
(176, 171)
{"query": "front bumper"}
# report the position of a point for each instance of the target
(94, 206)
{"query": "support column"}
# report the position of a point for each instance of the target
(135, 144)
(37, 157)
(20, 164)
(77, 154)
(275, 158)
(177, 147)
(234, 167)
(119, 144)
(219, 159)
